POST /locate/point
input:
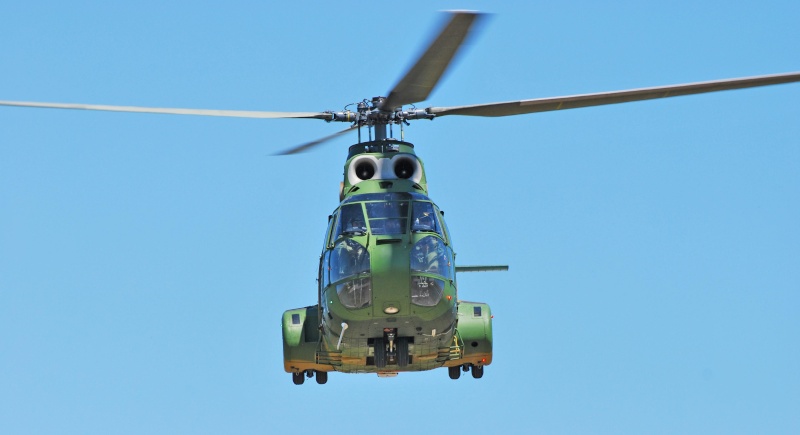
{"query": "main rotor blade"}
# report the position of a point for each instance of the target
(497, 268)
(200, 112)
(419, 81)
(587, 100)
(307, 146)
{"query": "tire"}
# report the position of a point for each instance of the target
(477, 372)
(322, 377)
(380, 353)
(402, 352)
(298, 378)
(454, 372)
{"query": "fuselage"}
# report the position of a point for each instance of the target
(387, 267)
(387, 294)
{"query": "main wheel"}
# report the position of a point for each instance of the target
(455, 372)
(322, 377)
(477, 372)
(298, 378)
(402, 352)
(380, 353)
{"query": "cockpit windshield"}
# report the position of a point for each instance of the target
(430, 256)
(425, 219)
(349, 266)
(387, 217)
(351, 221)
(392, 213)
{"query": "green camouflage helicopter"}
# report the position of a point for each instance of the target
(387, 296)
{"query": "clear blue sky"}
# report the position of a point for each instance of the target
(145, 260)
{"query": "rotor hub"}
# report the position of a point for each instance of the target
(372, 113)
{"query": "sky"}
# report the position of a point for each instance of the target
(146, 260)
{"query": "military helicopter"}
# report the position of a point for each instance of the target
(387, 299)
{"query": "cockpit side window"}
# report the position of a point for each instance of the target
(329, 233)
(448, 240)
(425, 219)
(351, 221)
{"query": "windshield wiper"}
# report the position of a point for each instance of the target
(354, 232)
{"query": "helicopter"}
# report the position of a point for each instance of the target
(387, 299)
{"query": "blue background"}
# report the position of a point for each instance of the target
(145, 260)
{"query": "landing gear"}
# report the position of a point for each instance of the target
(455, 372)
(380, 353)
(391, 350)
(402, 352)
(390, 335)
(299, 378)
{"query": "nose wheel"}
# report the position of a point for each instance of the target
(391, 349)
(380, 353)
(402, 352)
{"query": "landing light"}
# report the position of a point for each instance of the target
(391, 310)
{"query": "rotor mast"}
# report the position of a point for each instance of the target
(380, 127)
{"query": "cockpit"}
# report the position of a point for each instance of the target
(390, 216)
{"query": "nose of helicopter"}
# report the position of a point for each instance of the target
(390, 277)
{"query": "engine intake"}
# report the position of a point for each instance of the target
(365, 169)
(405, 167)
